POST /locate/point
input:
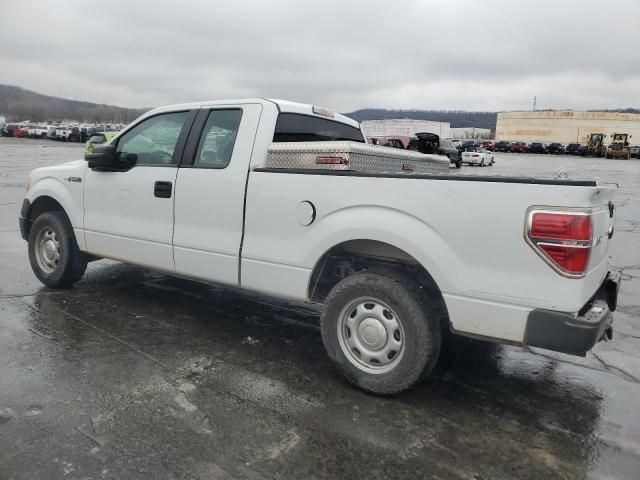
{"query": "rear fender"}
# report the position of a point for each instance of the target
(397, 228)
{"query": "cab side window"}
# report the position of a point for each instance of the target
(218, 139)
(153, 141)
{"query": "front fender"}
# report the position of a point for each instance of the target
(61, 193)
(68, 194)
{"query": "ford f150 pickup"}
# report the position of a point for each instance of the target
(286, 199)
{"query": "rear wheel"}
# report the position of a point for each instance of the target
(381, 332)
(53, 251)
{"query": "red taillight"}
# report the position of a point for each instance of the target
(561, 226)
(563, 239)
(571, 259)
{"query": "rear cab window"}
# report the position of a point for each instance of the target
(296, 127)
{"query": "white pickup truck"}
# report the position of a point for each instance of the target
(396, 257)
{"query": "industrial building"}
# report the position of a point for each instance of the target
(565, 126)
(470, 132)
(404, 127)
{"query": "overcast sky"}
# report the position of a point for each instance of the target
(441, 54)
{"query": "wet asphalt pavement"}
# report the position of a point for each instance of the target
(133, 375)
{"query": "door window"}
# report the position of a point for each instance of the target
(218, 139)
(153, 141)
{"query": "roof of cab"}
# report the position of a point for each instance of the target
(283, 106)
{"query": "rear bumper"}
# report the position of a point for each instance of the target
(576, 335)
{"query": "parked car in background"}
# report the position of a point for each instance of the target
(479, 156)
(468, 145)
(502, 146)
(393, 142)
(489, 145)
(36, 130)
(42, 131)
(51, 132)
(31, 130)
(20, 132)
(518, 147)
(430, 143)
(634, 151)
(556, 148)
(537, 147)
(10, 129)
(98, 139)
(63, 132)
(573, 148)
(77, 135)
(451, 151)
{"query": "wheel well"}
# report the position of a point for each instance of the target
(355, 256)
(41, 205)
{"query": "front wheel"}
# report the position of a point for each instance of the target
(53, 251)
(381, 332)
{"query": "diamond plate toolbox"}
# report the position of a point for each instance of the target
(359, 157)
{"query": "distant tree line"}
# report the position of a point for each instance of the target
(18, 104)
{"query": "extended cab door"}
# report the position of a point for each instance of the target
(210, 192)
(129, 214)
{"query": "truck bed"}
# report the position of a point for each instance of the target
(467, 231)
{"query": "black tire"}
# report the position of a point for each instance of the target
(421, 333)
(72, 263)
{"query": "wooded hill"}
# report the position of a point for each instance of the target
(18, 104)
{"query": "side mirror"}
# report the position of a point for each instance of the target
(103, 157)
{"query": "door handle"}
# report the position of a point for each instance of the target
(162, 189)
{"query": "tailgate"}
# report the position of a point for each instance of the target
(602, 218)
(603, 215)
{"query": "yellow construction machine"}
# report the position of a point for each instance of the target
(619, 147)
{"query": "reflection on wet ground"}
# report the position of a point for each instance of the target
(132, 374)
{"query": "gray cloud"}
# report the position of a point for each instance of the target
(447, 54)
